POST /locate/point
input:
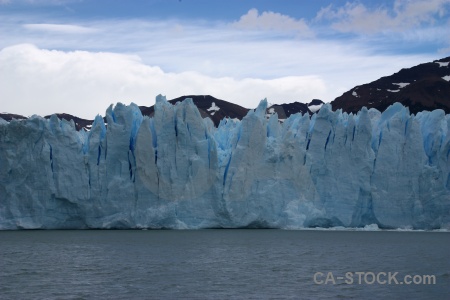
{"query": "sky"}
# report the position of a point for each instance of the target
(80, 56)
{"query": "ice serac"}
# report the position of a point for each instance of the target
(177, 170)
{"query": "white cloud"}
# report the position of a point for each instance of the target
(220, 50)
(176, 58)
(60, 28)
(36, 81)
(271, 21)
(356, 17)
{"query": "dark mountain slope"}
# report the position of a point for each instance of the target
(423, 87)
(208, 106)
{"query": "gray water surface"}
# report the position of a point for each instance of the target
(218, 264)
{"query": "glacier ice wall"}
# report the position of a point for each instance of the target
(176, 170)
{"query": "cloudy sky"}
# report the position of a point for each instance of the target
(79, 56)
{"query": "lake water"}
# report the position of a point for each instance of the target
(222, 264)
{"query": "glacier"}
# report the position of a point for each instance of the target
(176, 170)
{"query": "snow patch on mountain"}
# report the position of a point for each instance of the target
(214, 108)
(443, 64)
(314, 108)
(401, 84)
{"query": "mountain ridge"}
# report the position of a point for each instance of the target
(208, 106)
(422, 87)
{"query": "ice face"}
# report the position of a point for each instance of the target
(176, 170)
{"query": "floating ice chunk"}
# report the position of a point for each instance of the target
(371, 227)
(447, 78)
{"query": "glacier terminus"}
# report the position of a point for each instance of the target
(177, 170)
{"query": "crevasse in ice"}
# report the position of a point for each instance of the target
(176, 170)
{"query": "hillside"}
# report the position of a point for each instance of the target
(423, 87)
